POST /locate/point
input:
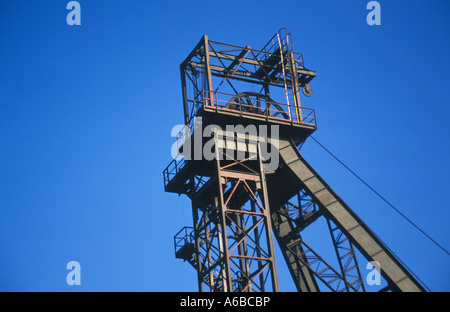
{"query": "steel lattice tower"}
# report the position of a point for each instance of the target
(240, 203)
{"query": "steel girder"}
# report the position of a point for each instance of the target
(232, 237)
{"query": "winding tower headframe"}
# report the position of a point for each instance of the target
(242, 196)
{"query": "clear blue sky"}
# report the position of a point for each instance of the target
(86, 114)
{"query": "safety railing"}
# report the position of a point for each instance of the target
(283, 37)
(178, 161)
(184, 241)
(175, 166)
(256, 105)
(282, 40)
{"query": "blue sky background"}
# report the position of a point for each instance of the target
(86, 114)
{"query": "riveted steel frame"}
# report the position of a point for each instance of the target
(234, 248)
(347, 260)
(240, 68)
(231, 244)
